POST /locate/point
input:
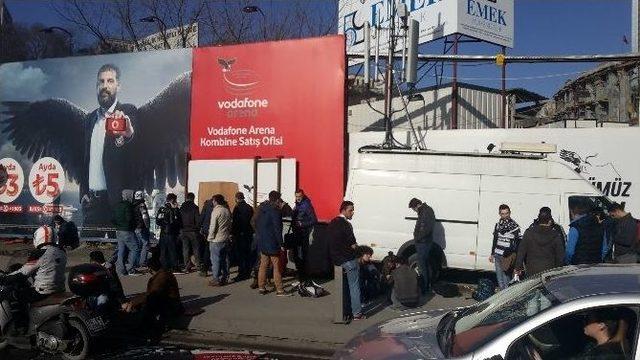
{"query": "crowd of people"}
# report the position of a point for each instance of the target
(211, 239)
(593, 238)
(208, 240)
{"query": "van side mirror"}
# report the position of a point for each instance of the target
(495, 357)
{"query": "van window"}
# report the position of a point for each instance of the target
(596, 205)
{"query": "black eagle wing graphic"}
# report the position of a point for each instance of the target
(52, 127)
(570, 156)
(161, 138)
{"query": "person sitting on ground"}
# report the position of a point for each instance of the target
(161, 302)
(389, 263)
(370, 280)
(602, 326)
(406, 286)
(115, 286)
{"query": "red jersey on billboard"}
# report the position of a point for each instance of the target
(274, 99)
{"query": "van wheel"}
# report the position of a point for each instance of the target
(435, 265)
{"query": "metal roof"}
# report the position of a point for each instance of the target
(574, 282)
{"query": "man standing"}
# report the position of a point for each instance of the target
(242, 232)
(342, 246)
(542, 246)
(423, 237)
(169, 221)
(585, 241)
(302, 222)
(506, 237)
(269, 242)
(219, 234)
(625, 240)
(205, 221)
(190, 243)
(125, 226)
(106, 171)
(142, 232)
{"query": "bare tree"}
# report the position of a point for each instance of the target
(229, 22)
(20, 43)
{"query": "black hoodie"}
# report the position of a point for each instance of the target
(541, 249)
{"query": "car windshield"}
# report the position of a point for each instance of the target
(484, 321)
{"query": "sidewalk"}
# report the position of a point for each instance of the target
(237, 317)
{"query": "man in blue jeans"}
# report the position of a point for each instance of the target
(219, 236)
(342, 245)
(506, 237)
(423, 238)
(125, 226)
(141, 216)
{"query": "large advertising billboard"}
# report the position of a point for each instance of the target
(487, 20)
(277, 99)
(75, 132)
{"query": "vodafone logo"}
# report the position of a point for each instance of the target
(238, 81)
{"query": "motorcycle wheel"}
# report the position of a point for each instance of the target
(78, 348)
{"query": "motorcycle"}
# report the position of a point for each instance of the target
(64, 324)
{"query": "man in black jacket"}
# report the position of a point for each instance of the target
(189, 234)
(625, 240)
(142, 232)
(342, 246)
(170, 223)
(423, 237)
(242, 235)
(127, 243)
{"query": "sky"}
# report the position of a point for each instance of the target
(542, 27)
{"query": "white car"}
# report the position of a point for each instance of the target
(544, 317)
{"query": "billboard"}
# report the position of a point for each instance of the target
(75, 132)
(275, 99)
(488, 20)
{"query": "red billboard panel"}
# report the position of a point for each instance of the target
(274, 99)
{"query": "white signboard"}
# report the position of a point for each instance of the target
(174, 37)
(488, 20)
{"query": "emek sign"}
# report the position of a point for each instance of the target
(488, 20)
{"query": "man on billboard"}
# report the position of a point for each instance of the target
(107, 137)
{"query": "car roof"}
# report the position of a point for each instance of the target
(573, 282)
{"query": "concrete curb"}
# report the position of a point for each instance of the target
(284, 347)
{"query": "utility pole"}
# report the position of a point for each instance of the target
(388, 91)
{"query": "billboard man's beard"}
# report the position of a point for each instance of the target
(106, 101)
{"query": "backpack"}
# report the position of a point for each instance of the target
(486, 288)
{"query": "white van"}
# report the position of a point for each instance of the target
(464, 190)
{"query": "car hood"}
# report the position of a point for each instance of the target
(409, 337)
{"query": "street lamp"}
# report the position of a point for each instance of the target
(51, 29)
(252, 9)
(162, 26)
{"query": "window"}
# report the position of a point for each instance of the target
(573, 336)
(467, 331)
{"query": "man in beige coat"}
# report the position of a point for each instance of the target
(218, 237)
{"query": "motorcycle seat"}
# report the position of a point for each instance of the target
(53, 299)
